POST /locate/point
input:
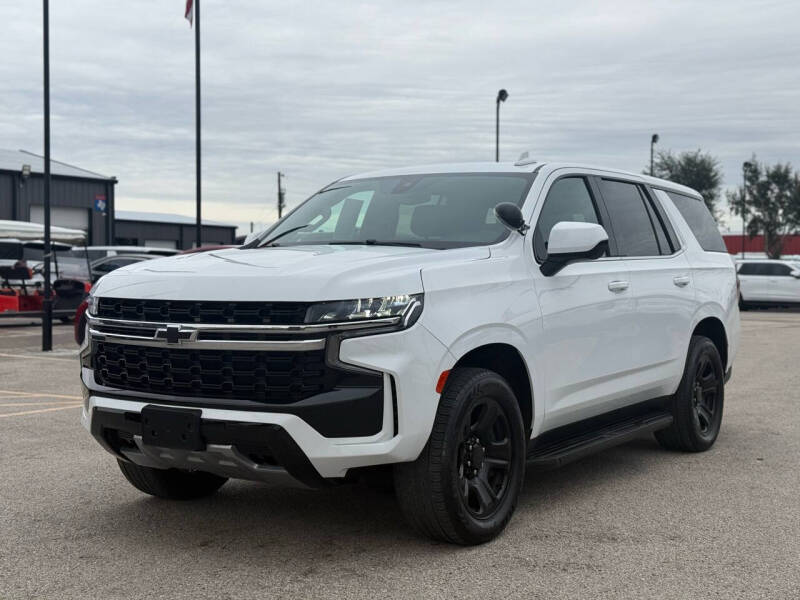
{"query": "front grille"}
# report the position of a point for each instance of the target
(188, 311)
(270, 377)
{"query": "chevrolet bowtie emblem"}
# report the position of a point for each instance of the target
(175, 334)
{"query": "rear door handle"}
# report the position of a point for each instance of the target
(618, 286)
(681, 280)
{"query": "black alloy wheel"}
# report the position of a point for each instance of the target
(484, 458)
(463, 487)
(697, 405)
(707, 384)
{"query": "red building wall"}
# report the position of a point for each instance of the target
(791, 243)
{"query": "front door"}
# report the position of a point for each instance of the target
(585, 311)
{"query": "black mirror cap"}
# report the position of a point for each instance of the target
(553, 264)
(511, 217)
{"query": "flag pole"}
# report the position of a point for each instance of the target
(47, 303)
(199, 226)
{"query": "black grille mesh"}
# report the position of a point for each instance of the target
(273, 377)
(187, 311)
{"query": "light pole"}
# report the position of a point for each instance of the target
(745, 167)
(47, 301)
(502, 96)
(653, 142)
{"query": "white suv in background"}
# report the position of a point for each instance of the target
(448, 325)
(768, 282)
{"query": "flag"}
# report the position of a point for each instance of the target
(189, 11)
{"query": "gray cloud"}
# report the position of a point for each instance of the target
(324, 89)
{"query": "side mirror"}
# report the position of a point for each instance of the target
(511, 217)
(573, 241)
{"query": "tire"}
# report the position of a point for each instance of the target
(742, 304)
(65, 320)
(171, 484)
(697, 405)
(457, 491)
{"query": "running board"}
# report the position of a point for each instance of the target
(556, 453)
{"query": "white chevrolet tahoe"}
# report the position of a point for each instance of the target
(451, 325)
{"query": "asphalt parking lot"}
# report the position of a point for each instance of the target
(632, 522)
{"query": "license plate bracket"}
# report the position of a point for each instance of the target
(176, 428)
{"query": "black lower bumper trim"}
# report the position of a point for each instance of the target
(341, 412)
(115, 428)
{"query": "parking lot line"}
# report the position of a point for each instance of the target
(14, 394)
(45, 403)
(43, 410)
(37, 357)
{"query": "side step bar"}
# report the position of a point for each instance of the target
(560, 452)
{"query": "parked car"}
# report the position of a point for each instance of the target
(207, 248)
(451, 325)
(104, 266)
(97, 252)
(768, 282)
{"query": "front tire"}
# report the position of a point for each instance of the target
(171, 484)
(464, 486)
(698, 403)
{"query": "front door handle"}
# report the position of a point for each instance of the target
(618, 286)
(681, 280)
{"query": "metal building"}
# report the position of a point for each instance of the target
(167, 230)
(79, 199)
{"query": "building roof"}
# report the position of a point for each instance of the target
(154, 217)
(12, 160)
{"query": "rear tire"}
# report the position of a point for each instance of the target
(171, 484)
(698, 403)
(464, 486)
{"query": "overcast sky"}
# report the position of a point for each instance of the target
(320, 90)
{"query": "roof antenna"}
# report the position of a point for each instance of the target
(525, 159)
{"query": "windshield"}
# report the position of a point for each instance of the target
(447, 210)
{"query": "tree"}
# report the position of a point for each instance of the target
(771, 204)
(697, 170)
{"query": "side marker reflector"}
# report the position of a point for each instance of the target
(442, 381)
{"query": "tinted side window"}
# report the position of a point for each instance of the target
(754, 269)
(568, 200)
(780, 270)
(633, 229)
(747, 269)
(700, 221)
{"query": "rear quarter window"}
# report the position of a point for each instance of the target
(700, 221)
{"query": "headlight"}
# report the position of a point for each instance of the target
(91, 304)
(406, 308)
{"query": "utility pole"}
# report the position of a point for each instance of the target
(502, 96)
(281, 195)
(47, 301)
(653, 142)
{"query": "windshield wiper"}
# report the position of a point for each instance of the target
(281, 234)
(375, 243)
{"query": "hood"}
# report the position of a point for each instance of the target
(282, 274)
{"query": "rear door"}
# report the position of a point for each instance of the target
(787, 288)
(662, 290)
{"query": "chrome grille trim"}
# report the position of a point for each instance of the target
(154, 341)
(309, 328)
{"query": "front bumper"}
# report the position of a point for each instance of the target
(409, 361)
